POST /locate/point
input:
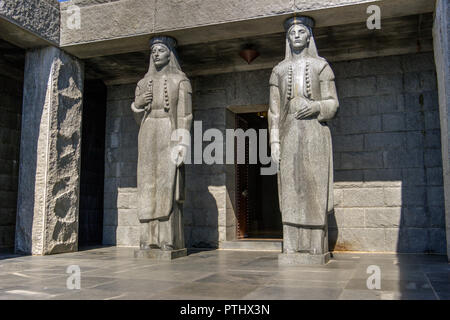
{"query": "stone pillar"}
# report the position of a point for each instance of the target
(49, 174)
(441, 38)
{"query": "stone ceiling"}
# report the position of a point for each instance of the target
(353, 41)
(12, 60)
(403, 35)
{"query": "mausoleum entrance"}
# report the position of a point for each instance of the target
(258, 213)
(12, 60)
(92, 164)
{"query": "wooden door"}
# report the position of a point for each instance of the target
(242, 184)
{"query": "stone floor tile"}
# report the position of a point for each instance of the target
(306, 283)
(392, 285)
(320, 274)
(443, 295)
(113, 273)
(441, 286)
(211, 290)
(355, 294)
(230, 277)
(439, 276)
(294, 293)
(148, 287)
(392, 275)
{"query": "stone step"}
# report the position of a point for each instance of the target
(252, 245)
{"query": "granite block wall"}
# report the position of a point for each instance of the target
(120, 223)
(387, 155)
(205, 192)
(10, 122)
(213, 95)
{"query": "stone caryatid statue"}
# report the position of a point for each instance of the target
(302, 99)
(163, 104)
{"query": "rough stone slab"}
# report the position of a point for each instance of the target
(115, 19)
(172, 15)
(38, 17)
(303, 259)
(127, 25)
(441, 37)
(160, 254)
(49, 176)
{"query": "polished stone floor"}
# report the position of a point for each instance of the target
(113, 273)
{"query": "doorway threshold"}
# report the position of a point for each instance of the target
(252, 245)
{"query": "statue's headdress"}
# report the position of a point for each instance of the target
(171, 44)
(307, 22)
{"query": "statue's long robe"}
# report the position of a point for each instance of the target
(305, 180)
(159, 181)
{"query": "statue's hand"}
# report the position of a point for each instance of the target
(143, 100)
(308, 110)
(148, 97)
(139, 102)
(297, 104)
(181, 152)
(275, 152)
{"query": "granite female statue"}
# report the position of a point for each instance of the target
(163, 104)
(302, 99)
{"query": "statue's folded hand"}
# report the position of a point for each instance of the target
(179, 155)
(148, 97)
(139, 102)
(308, 110)
(143, 100)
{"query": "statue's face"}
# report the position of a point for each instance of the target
(298, 37)
(160, 55)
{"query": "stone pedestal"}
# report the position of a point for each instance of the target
(49, 175)
(303, 259)
(160, 254)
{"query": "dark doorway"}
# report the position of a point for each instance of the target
(92, 164)
(258, 212)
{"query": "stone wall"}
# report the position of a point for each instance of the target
(387, 155)
(210, 204)
(388, 168)
(50, 147)
(120, 223)
(10, 120)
